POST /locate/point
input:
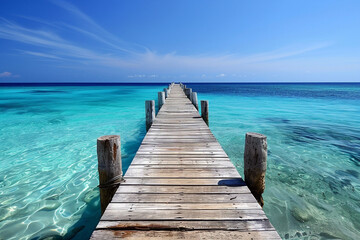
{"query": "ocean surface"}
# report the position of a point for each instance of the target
(48, 163)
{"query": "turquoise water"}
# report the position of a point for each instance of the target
(48, 165)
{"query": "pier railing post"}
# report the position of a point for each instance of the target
(188, 92)
(255, 156)
(166, 92)
(150, 113)
(195, 100)
(161, 99)
(109, 167)
(205, 111)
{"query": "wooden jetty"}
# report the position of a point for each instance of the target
(182, 185)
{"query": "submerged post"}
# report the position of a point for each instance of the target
(166, 92)
(255, 156)
(195, 100)
(150, 113)
(161, 99)
(109, 167)
(205, 111)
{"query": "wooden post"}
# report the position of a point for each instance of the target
(188, 92)
(166, 93)
(109, 167)
(150, 113)
(205, 111)
(195, 100)
(255, 156)
(161, 99)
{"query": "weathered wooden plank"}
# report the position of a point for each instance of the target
(188, 214)
(157, 152)
(180, 148)
(181, 172)
(183, 206)
(182, 198)
(177, 166)
(185, 181)
(186, 235)
(177, 141)
(172, 144)
(180, 159)
(200, 189)
(260, 225)
(197, 137)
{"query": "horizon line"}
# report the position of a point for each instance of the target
(114, 83)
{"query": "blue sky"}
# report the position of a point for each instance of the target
(201, 41)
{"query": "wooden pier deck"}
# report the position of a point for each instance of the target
(182, 185)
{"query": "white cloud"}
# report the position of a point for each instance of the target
(143, 76)
(39, 54)
(137, 76)
(5, 74)
(8, 75)
(221, 75)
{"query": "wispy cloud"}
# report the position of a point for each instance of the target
(5, 74)
(130, 56)
(40, 54)
(143, 76)
(97, 32)
(8, 75)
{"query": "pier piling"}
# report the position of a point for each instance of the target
(150, 113)
(194, 100)
(205, 111)
(188, 92)
(255, 156)
(166, 92)
(161, 99)
(109, 167)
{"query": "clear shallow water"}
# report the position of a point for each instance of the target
(48, 166)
